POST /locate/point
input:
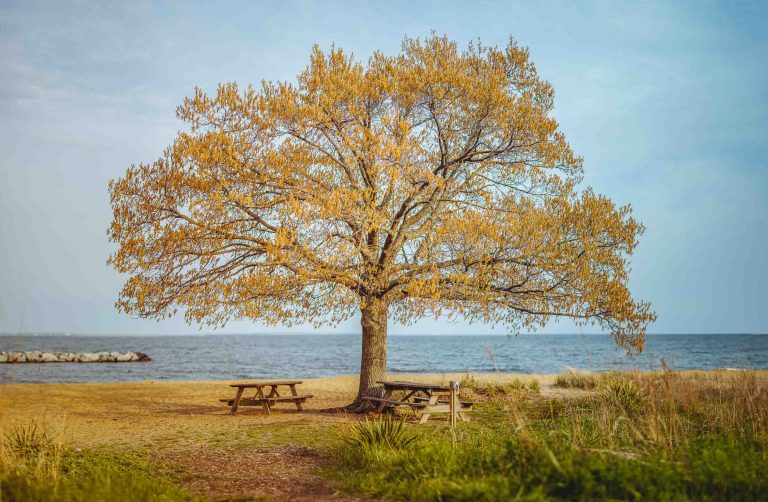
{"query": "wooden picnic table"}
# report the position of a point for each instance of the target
(266, 400)
(424, 399)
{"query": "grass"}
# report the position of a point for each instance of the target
(35, 466)
(652, 436)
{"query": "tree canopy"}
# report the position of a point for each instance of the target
(430, 182)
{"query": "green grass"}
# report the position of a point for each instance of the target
(35, 467)
(635, 437)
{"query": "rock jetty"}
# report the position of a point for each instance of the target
(37, 356)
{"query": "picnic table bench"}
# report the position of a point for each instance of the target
(424, 399)
(266, 400)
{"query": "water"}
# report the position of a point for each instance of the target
(220, 357)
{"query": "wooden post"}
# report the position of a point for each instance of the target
(454, 402)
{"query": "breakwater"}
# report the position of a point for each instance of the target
(37, 356)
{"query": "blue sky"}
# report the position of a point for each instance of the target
(666, 101)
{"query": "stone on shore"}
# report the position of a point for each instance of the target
(36, 356)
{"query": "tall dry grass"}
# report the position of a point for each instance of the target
(30, 462)
(36, 465)
(663, 410)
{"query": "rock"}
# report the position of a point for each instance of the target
(36, 356)
(87, 358)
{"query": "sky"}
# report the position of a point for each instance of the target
(666, 101)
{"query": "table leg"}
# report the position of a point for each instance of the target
(236, 402)
(264, 403)
(295, 393)
(425, 416)
(387, 395)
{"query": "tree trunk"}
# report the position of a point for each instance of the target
(373, 363)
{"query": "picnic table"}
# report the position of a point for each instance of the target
(424, 399)
(266, 400)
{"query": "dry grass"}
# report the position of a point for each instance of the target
(475, 389)
(30, 451)
(575, 379)
(662, 409)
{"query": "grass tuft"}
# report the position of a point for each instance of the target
(384, 432)
(475, 390)
(574, 379)
(625, 395)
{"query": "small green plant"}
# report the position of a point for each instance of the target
(384, 432)
(534, 385)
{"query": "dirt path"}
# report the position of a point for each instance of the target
(286, 472)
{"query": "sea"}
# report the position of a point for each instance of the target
(228, 357)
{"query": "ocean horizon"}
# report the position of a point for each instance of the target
(259, 356)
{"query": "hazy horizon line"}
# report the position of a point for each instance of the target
(348, 333)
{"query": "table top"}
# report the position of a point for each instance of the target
(266, 384)
(403, 385)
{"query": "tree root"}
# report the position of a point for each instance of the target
(360, 406)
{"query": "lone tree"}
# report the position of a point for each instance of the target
(432, 182)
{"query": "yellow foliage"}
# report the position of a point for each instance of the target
(430, 181)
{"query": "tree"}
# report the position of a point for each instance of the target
(433, 182)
